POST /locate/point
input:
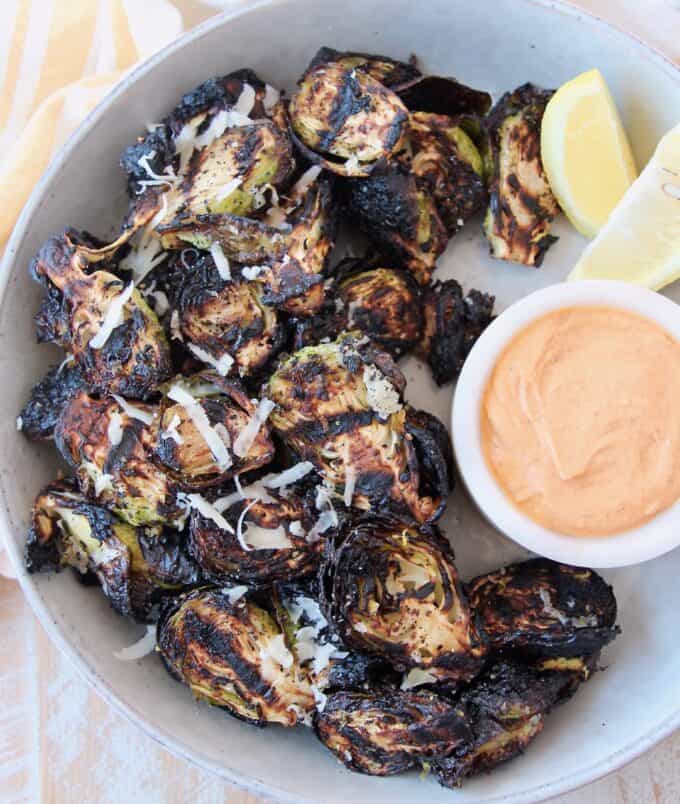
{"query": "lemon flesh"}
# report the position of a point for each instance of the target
(585, 151)
(641, 241)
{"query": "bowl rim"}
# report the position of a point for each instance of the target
(541, 792)
(643, 543)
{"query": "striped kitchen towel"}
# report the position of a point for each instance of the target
(58, 58)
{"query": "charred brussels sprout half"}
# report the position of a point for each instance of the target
(48, 398)
(398, 212)
(545, 609)
(452, 324)
(223, 322)
(385, 305)
(216, 101)
(506, 708)
(134, 567)
(232, 174)
(493, 743)
(436, 94)
(339, 406)
(393, 590)
(201, 432)
(346, 120)
(267, 541)
(522, 205)
(111, 447)
(231, 653)
(389, 731)
(447, 160)
(107, 326)
(389, 72)
(510, 690)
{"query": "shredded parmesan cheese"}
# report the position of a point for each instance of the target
(251, 272)
(207, 510)
(239, 524)
(259, 489)
(276, 649)
(139, 649)
(296, 529)
(258, 538)
(271, 97)
(172, 432)
(175, 330)
(228, 189)
(416, 677)
(246, 101)
(235, 593)
(112, 318)
(168, 177)
(114, 431)
(249, 433)
(288, 476)
(352, 164)
(305, 181)
(200, 419)
(161, 303)
(221, 262)
(133, 411)
(382, 396)
(222, 366)
(319, 698)
(350, 477)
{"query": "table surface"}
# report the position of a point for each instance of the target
(59, 742)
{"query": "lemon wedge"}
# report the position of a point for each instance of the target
(585, 151)
(640, 242)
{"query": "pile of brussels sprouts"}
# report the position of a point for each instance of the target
(244, 470)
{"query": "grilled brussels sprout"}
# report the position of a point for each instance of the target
(545, 609)
(434, 453)
(236, 100)
(390, 731)
(346, 120)
(522, 205)
(339, 406)
(108, 328)
(135, 568)
(110, 445)
(273, 532)
(452, 324)
(223, 322)
(393, 590)
(436, 94)
(232, 174)
(294, 280)
(494, 742)
(49, 397)
(447, 160)
(199, 441)
(397, 211)
(389, 72)
(506, 708)
(510, 690)
(385, 305)
(231, 653)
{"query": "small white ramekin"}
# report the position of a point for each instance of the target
(650, 540)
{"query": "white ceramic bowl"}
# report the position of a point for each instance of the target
(496, 44)
(652, 539)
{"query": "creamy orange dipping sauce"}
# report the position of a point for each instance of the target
(580, 420)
